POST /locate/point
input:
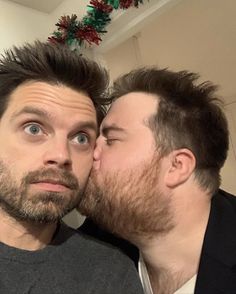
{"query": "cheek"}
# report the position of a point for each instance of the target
(22, 159)
(125, 158)
(13, 170)
(12, 148)
(82, 166)
(15, 157)
(116, 161)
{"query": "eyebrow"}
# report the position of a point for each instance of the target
(90, 125)
(31, 110)
(106, 129)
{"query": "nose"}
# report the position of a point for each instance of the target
(97, 155)
(58, 154)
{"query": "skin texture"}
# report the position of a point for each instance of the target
(47, 135)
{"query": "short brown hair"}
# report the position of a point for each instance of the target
(188, 116)
(52, 63)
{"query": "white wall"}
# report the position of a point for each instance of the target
(19, 24)
(68, 7)
(199, 35)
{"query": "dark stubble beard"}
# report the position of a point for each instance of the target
(40, 207)
(129, 204)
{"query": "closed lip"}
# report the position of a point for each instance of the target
(52, 181)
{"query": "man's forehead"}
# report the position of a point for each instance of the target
(49, 95)
(130, 111)
(132, 106)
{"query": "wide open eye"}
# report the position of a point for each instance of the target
(81, 138)
(33, 129)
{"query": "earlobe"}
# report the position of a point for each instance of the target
(182, 164)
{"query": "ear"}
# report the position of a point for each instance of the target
(182, 163)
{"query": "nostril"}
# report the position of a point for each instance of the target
(52, 162)
(59, 163)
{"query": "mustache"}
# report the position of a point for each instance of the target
(52, 175)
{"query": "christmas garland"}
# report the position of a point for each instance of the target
(74, 32)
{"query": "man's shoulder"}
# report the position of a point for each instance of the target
(225, 199)
(100, 260)
(72, 263)
(87, 244)
(218, 253)
(223, 213)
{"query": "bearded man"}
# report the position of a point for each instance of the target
(155, 182)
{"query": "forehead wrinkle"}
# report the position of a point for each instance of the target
(59, 101)
(77, 106)
(50, 93)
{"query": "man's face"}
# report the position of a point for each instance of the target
(47, 137)
(124, 192)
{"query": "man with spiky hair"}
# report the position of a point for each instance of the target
(51, 101)
(155, 182)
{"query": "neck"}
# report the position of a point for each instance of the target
(24, 235)
(173, 259)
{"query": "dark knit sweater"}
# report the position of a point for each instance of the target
(73, 263)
